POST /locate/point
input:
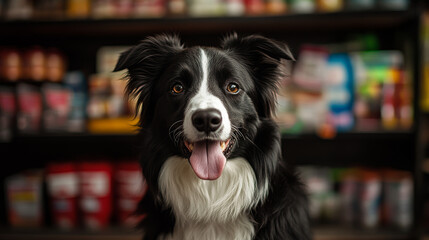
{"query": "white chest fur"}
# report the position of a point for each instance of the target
(210, 209)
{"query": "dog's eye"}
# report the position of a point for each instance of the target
(233, 88)
(177, 89)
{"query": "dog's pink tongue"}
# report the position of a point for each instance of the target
(207, 160)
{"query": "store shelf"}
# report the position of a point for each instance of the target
(93, 27)
(54, 234)
(320, 233)
(374, 149)
(348, 233)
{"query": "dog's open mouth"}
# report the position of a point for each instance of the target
(208, 157)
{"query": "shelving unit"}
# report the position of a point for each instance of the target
(80, 39)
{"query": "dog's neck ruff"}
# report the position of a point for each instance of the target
(204, 209)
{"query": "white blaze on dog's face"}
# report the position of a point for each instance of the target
(207, 128)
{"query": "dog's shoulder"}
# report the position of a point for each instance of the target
(284, 214)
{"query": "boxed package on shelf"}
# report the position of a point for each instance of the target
(96, 193)
(63, 189)
(398, 187)
(130, 187)
(360, 197)
(7, 113)
(76, 83)
(57, 102)
(339, 92)
(370, 195)
(321, 193)
(29, 112)
(24, 199)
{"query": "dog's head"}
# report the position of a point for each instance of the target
(203, 100)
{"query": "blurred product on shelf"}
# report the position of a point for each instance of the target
(149, 8)
(76, 83)
(303, 6)
(130, 187)
(33, 64)
(30, 107)
(11, 63)
(62, 181)
(383, 91)
(108, 109)
(339, 92)
(66, 98)
(177, 7)
(84, 193)
(361, 4)
(57, 103)
(425, 170)
(19, 9)
(121, 9)
(78, 8)
(7, 113)
(394, 4)
(360, 197)
(24, 199)
(254, 7)
(201, 8)
(330, 5)
(425, 59)
(96, 193)
(55, 65)
(48, 9)
(333, 92)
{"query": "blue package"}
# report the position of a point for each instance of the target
(75, 81)
(339, 91)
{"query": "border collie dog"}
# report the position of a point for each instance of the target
(211, 153)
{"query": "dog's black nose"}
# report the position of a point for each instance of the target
(207, 120)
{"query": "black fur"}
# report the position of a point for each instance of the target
(157, 63)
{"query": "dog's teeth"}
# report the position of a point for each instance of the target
(191, 147)
(223, 145)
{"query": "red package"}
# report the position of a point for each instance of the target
(96, 193)
(130, 187)
(63, 189)
(29, 108)
(57, 107)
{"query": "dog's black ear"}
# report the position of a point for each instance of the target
(145, 63)
(263, 58)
